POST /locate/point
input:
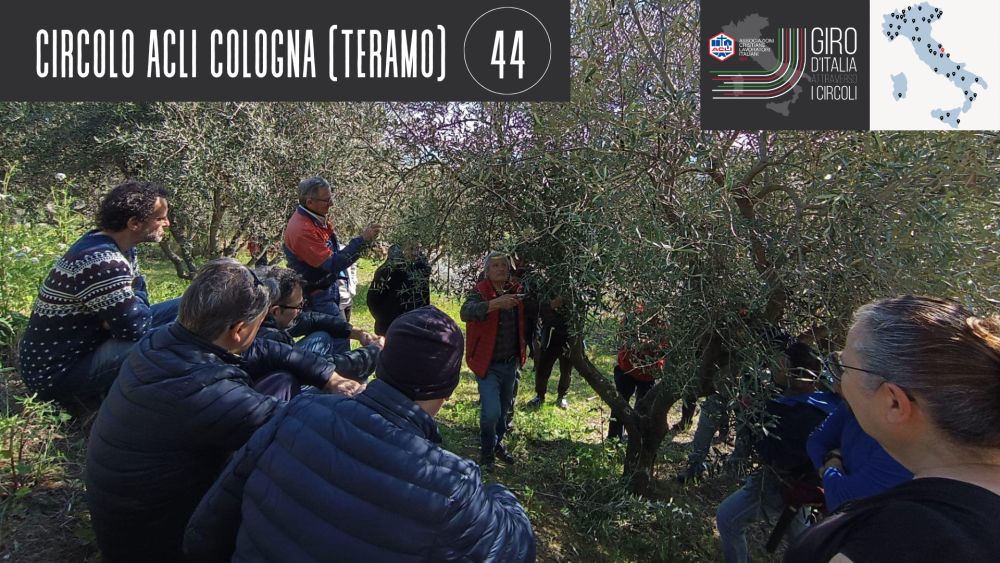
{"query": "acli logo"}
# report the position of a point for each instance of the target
(721, 46)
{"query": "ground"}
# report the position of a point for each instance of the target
(567, 475)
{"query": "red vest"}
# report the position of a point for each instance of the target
(481, 336)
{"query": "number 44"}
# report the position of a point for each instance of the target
(516, 53)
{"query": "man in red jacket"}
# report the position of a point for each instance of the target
(495, 351)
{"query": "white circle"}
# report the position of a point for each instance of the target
(465, 57)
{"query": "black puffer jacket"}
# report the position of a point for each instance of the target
(362, 479)
(355, 364)
(305, 324)
(179, 407)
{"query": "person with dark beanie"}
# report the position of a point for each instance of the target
(369, 481)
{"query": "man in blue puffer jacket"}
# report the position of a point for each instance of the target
(182, 403)
(364, 479)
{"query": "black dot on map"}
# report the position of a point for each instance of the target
(918, 29)
(913, 38)
(970, 98)
(948, 55)
(919, 38)
(966, 92)
(977, 79)
(963, 78)
(935, 69)
(974, 94)
(958, 121)
(958, 67)
(948, 114)
(900, 94)
(920, 7)
(942, 118)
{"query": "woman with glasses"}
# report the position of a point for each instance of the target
(922, 375)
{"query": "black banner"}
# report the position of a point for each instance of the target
(287, 51)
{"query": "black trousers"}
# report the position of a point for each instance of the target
(626, 386)
(552, 348)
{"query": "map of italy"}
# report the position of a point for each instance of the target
(915, 24)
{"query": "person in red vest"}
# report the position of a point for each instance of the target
(640, 362)
(495, 351)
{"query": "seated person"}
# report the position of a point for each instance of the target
(782, 451)
(851, 463)
(93, 305)
(401, 284)
(286, 320)
(370, 482)
(181, 405)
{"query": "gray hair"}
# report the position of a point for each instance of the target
(223, 293)
(310, 187)
(945, 356)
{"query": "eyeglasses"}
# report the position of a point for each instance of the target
(300, 307)
(270, 285)
(833, 367)
(327, 200)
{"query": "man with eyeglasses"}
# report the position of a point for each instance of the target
(311, 249)
(287, 320)
(185, 399)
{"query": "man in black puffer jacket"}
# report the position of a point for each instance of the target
(286, 320)
(368, 480)
(181, 404)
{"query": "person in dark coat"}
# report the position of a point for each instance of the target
(553, 346)
(286, 320)
(369, 482)
(401, 284)
(182, 403)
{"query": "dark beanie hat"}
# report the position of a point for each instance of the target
(422, 355)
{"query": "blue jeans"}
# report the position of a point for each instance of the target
(496, 399)
(94, 373)
(328, 301)
(760, 498)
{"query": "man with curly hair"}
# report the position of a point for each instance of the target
(93, 305)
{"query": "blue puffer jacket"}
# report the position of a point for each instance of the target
(363, 479)
(179, 407)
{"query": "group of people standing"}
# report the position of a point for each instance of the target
(238, 422)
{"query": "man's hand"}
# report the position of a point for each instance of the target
(342, 386)
(504, 302)
(832, 460)
(371, 232)
(369, 338)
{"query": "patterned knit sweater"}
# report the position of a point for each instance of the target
(93, 293)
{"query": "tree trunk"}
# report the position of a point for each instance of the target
(646, 424)
(215, 227)
(179, 266)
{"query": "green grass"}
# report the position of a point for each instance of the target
(567, 477)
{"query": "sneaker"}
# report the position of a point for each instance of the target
(503, 455)
(562, 403)
(693, 472)
(534, 403)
